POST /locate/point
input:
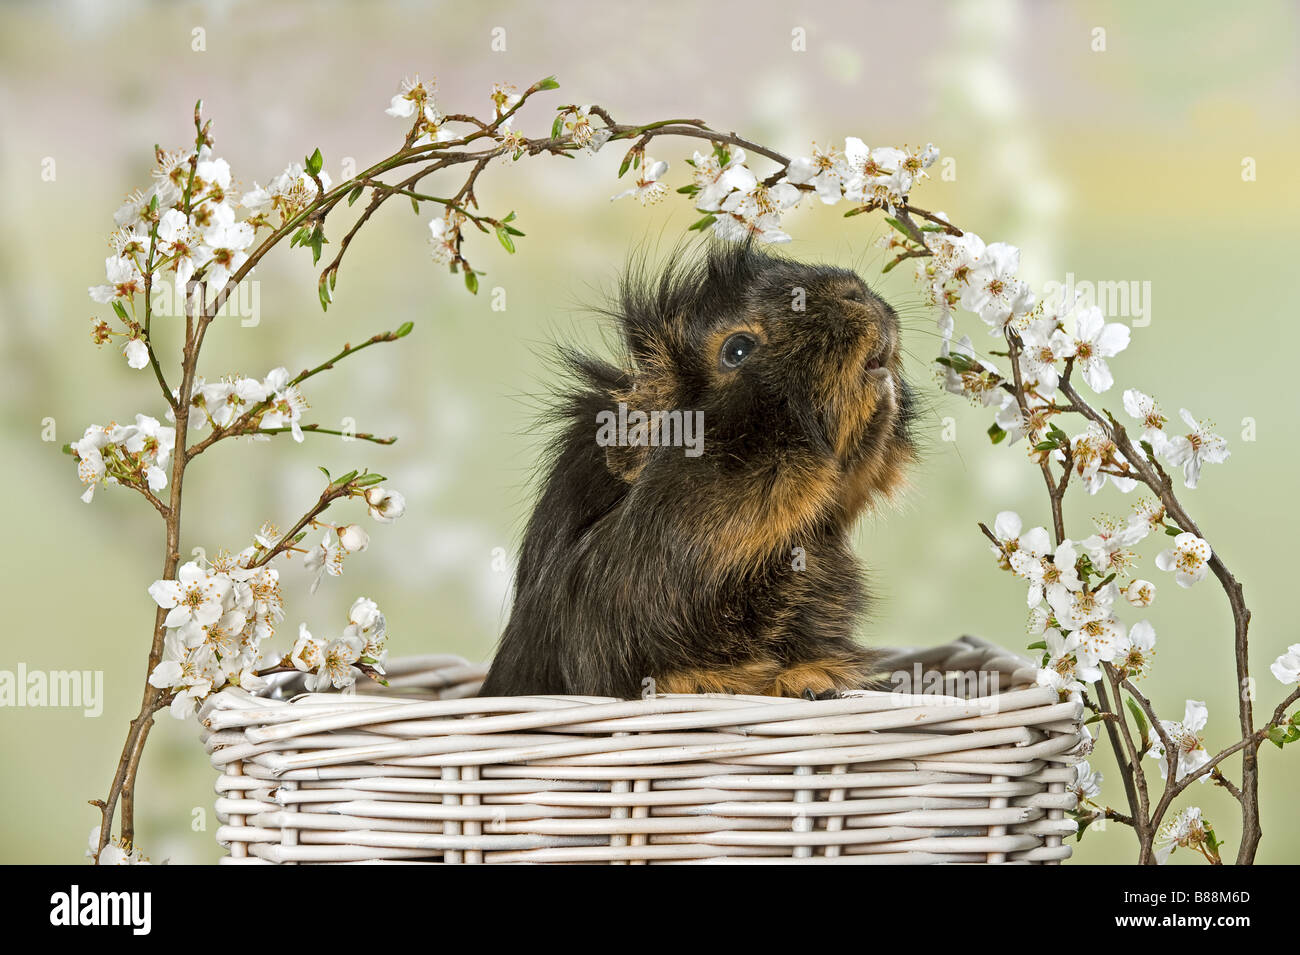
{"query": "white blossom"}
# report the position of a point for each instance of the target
(648, 189)
(1186, 737)
(1189, 559)
(1087, 781)
(826, 171)
(992, 290)
(1094, 341)
(124, 281)
(1287, 667)
(336, 667)
(1037, 358)
(195, 595)
(1136, 649)
(1186, 830)
(1075, 608)
(1047, 573)
(1193, 449)
(1108, 548)
(223, 251)
(1100, 640)
(308, 653)
(756, 211)
(286, 404)
(974, 379)
(1145, 409)
(1140, 593)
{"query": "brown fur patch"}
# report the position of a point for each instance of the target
(831, 673)
(881, 475)
(746, 528)
(750, 678)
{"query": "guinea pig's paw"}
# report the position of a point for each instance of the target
(831, 694)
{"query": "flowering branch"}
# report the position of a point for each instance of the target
(212, 617)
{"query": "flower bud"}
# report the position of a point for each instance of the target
(353, 539)
(385, 505)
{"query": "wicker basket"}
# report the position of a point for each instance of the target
(427, 773)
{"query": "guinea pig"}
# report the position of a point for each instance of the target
(692, 531)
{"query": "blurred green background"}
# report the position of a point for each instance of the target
(1123, 164)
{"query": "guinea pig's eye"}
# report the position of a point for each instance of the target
(736, 349)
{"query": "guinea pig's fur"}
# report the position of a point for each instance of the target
(646, 568)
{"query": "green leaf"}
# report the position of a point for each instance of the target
(1276, 734)
(703, 224)
(326, 473)
(855, 212)
(557, 126)
(314, 163)
(512, 230)
(1045, 446)
(550, 83)
(996, 434)
(415, 205)
(505, 240)
(898, 225)
(404, 330)
(323, 292)
(957, 362)
(1172, 531)
(369, 480)
(1211, 840)
(355, 194)
(120, 309)
(1037, 645)
(471, 281)
(1140, 719)
(625, 164)
(67, 449)
(688, 190)
(316, 240)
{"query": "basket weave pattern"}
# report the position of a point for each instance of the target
(424, 772)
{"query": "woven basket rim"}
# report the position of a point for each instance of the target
(871, 777)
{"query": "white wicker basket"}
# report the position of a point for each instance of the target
(424, 772)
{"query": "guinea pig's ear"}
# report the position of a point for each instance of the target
(627, 456)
